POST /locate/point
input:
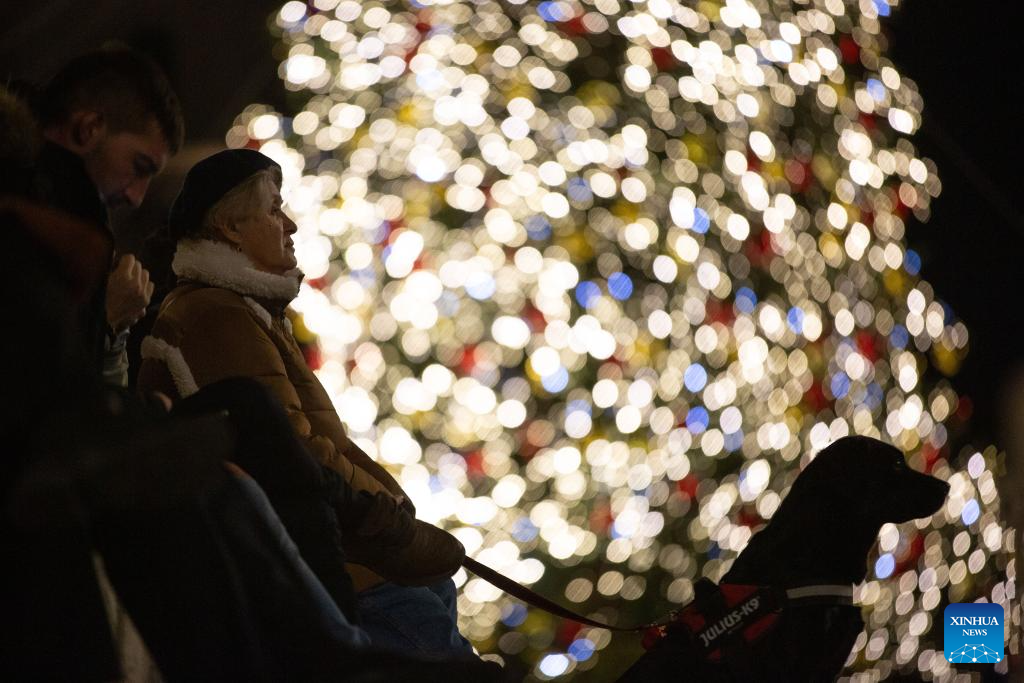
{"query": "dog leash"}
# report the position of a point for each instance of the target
(531, 597)
(827, 594)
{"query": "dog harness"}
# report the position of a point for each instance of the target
(721, 615)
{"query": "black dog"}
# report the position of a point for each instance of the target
(820, 535)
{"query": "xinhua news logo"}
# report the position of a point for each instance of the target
(973, 633)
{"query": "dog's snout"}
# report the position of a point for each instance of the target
(940, 490)
(922, 494)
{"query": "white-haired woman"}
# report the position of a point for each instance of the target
(236, 270)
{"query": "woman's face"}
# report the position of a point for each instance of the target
(265, 236)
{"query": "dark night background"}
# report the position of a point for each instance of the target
(964, 56)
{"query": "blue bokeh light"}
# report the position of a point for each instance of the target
(912, 262)
(795, 319)
(970, 513)
(701, 221)
(581, 650)
(746, 300)
(876, 89)
(695, 377)
(513, 615)
(523, 530)
(874, 395)
(885, 565)
(480, 285)
(556, 381)
(587, 293)
(448, 304)
(697, 420)
(840, 384)
(553, 11)
(620, 286)
(899, 336)
(364, 276)
(578, 190)
(734, 441)
(537, 228)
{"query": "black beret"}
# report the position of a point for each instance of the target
(207, 182)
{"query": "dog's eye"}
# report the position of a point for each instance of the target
(899, 464)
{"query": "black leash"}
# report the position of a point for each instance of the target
(531, 597)
(830, 594)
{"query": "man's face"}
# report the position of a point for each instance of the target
(122, 163)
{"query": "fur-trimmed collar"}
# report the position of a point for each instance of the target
(217, 264)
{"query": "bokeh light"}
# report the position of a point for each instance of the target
(592, 278)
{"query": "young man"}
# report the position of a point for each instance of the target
(110, 121)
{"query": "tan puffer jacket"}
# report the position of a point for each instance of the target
(226, 319)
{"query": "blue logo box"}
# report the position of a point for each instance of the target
(973, 633)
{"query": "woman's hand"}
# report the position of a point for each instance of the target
(406, 504)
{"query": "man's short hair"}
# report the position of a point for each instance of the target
(126, 86)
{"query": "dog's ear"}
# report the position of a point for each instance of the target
(833, 471)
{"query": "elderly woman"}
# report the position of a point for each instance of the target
(236, 270)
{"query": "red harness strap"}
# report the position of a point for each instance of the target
(721, 613)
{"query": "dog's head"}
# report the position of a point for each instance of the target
(827, 523)
(873, 478)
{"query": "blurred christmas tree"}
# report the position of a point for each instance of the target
(594, 278)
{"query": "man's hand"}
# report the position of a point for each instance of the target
(128, 293)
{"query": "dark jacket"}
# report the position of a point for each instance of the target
(63, 183)
(46, 173)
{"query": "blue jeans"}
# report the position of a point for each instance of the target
(331, 617)
(419, 621)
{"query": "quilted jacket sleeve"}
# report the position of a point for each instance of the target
(222, 341)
